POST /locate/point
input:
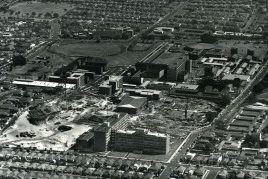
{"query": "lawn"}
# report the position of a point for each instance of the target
(112, 52)
(88, 49)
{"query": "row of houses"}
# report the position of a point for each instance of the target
(104, 17)
(76, 164)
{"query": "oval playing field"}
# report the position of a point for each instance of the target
(89, 49)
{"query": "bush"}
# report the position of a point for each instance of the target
(18, 60)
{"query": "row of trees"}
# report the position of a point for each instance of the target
(33, 14)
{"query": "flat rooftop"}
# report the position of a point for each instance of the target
(162, 83)
(144, 91)
(115, 78)
(168, 58)
(187, 86)
(142, 131)
(233, 76)
(43, 84)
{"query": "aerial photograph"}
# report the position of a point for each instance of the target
(133, 89)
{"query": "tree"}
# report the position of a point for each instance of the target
(18, 60)
(219, 124)
(55, 15)
(208, 38)
(11, 12)
(225, 100)
(237, 82)
(210, 116)
(48, 14)
(33, 13)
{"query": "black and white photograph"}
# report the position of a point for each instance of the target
(133, 89)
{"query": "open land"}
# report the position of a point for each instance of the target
(46, 135)
(39, 9)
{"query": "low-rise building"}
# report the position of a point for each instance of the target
(41, 84)
(231, 77)
(163, 86)
(185, 89)
(150, 94)
(131, 104)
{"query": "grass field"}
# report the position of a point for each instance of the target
(61, 54)
(114, 53)
(88, 49)
(40, 7)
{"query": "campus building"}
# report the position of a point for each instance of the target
(132, 104)
(141, 141)
(103, 138)
(150, 94)
(185, 89)
(162, 86)
(110, 86)
(163, 65)
(79, 78)
(42, 85)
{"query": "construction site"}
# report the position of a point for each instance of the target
(57, 127)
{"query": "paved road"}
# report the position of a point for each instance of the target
(212, 174)
(177, 9)
(225, 115)
(189, 141)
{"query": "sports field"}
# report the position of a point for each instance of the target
(114, 53)
(88, 49)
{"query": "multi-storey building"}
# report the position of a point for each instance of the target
(141, 141)
(110, 86)
(103, 138)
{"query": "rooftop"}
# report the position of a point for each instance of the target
(233, 76)
(187, 86)
(241, 123)
(133, 102)
(144, 91)
(142, 131)
(244, 118)
(42, 84)
(249, 113)
(76, 75)
(86, 136)
(168, 58)
(162, 83)
(115, 78)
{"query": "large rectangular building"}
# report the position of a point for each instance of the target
(110, 86)
(150, 94)
(41, 84)
(103, 138)
(163, 65)
(141, 141)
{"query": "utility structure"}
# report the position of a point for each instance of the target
(64, 77)
(186, 109)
